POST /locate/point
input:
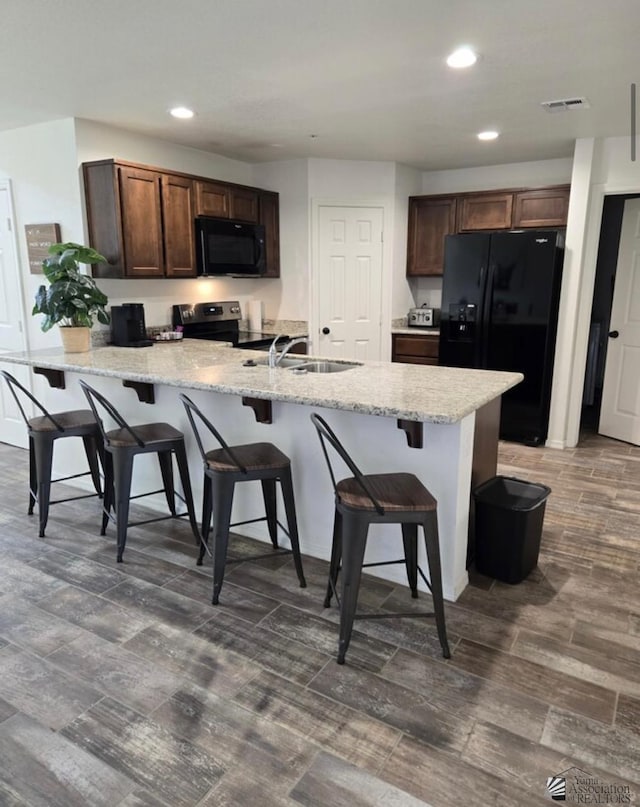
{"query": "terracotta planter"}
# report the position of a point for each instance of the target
(76, 340)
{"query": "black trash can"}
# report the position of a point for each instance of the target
(509, 516)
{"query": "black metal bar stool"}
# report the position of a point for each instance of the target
(225, 466)
(394, 498)
(121, 445)
(43, 431)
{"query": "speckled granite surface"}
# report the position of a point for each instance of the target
(421, 393)
(417, 331)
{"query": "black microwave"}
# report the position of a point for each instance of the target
(227, 247)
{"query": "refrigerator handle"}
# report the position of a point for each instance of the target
(486, 280)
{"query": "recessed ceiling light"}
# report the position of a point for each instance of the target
(462, 57)
(489, 135)
(181, 112)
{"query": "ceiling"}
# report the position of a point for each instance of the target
(345, 79)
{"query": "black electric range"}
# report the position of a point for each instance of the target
(219, 321)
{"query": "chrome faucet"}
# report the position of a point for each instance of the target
(274, 357)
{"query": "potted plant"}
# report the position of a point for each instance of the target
(71, 299)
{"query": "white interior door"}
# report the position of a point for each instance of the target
(620, 410)
(349, 269)
(12, 338)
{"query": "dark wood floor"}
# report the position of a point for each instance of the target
(122, 685)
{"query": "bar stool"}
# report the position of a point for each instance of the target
(394, 498)
(43, 431)
(121, 446)
(225, 466)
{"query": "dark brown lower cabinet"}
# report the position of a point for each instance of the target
(419, 349)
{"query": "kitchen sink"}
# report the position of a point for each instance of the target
(304, 365)
(325, 366)
(288, 361)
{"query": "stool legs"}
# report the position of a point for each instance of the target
(292, 523)
(43, 451)
(118, 474)
(430, 526)
(92, 448)
(166, 469)
(270, 508)
(410, 541)
(33, 477)
(122, 473)
(352, 559)
(207, 487)
(336, 557)
(108, 501)
(218, 500)
(222, 502)
(185, 479)
(350, 550)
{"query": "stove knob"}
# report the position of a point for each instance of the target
(235, 309)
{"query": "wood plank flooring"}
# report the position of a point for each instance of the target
(121, 685)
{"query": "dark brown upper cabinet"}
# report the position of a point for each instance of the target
(270, 218)
(484, 211)
(430, 220)
(546, 207)
(178, 215)
(226, 201)
(141, 218)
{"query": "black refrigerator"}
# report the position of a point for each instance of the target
(500, 296)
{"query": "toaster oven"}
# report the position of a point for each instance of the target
(424, 317)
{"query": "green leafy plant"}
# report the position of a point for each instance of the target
(71, 298)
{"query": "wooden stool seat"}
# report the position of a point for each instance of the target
(149, 433)
(393, 492)
(78, 419)
(252, 457)
(364, 499)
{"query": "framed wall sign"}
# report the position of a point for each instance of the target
(39, 239)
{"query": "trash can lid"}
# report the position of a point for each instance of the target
(511, 493)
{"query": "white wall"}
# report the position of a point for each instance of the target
(489, 177)
(41, 162)
(96, 141)
(408, 183)
(288, 297)
(608, 170)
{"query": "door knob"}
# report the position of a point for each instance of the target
(614, 334)
(326, 330)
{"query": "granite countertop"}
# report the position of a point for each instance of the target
(412, 392)
(417, 331)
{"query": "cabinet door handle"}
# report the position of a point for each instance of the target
(326, 330)
(614, 334)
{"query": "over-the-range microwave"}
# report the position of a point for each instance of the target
(227, 247)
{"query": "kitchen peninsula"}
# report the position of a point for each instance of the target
(448, 421)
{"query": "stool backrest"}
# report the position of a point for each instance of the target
(97, 400)
(17, 390)
(194, 412)
(325, 432)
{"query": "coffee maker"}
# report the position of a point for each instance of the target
(127, 326)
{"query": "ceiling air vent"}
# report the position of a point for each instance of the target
(565, 104)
